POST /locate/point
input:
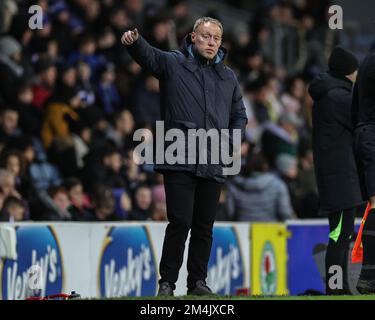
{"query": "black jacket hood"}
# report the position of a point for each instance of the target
(324, 82)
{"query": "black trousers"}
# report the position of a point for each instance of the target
(341, 228)
(191, 204)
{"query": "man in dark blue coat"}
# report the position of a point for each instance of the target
(364, 119)
(197, 92)
(334, 161)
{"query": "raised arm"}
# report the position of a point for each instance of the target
(152, 59)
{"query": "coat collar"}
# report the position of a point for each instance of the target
(192, 62)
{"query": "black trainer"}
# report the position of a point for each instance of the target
(200, 289)
(165, 289)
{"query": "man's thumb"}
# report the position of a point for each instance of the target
(135, 32)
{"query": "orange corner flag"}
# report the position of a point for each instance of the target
(357, 252)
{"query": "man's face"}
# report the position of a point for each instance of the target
(10, 121)
(76, 195)
(62, 201)
(207, 39)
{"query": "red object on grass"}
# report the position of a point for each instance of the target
(58, 296)
(357, 252)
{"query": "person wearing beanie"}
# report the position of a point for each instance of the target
(336, 171)
(342, 62)
(363, 110)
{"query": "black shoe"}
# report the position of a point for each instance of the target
(200, 289)
(366, 285)
(165, 289)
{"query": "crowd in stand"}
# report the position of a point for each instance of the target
(71, 98)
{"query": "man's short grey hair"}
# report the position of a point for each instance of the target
(205, 20)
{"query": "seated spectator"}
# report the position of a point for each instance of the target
(142, 204)
(59, 112)
(9, 126)
(30, 117)
(14, 161)
(67, 77)
(85, 87)
(123, 204)
(104, 167)
(87, 53)
(11, 69)
(13, 210)
(79, 202)
(287, 170)
(57, 205)
(108, 96)
(294, 96)
(8, 184)
(122, 132)
(281, 138)
(258, 195)
(104, 204)
(307, 190)
(159, 205)
(134, 174)
(46, 76)
(147, 101)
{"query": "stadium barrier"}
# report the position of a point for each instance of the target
(121, 259)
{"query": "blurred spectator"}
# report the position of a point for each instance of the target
(9, 123)
(107, 92)
(11, 70)
(59, 112)
(30, 118)
(104, 204)
(122, 132)
(147, 101)
(287, 169)
(13, 210)
(123, 203)
(87, 53)
(8, 184)
(294, 96)
(46, 76)
(41, 37)
(281, 138)
(307, 191)
(86, 89)
(8, 8)
(79, 202)
(142, 204)
(103, 167)
(134, 10)
(258, 195)
(58, 205)
(15, 162)
(181, 17)
(67, 77)
(159, 206)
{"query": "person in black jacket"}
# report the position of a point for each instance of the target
(363, 109)
(197, 92)
(335, 166)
